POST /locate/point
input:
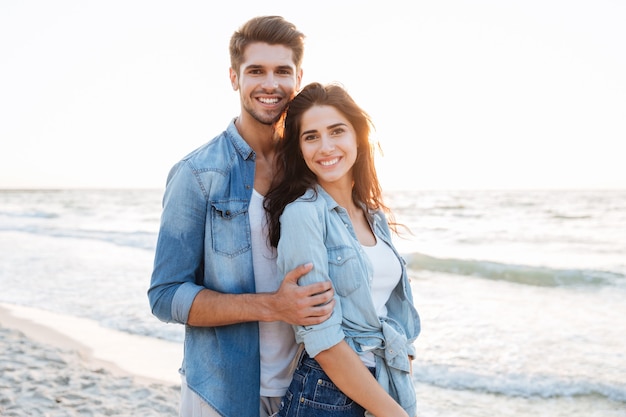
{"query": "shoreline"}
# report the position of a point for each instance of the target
(58, 365)
(147, 359)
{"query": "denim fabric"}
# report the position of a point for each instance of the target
(312, 394)
(204, 242)
(314, 228)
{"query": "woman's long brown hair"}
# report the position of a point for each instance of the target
(293, 177)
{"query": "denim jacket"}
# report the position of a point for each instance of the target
(314, 228)
(204, 242)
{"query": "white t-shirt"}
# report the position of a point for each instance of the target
(387, 274)
(277, 341)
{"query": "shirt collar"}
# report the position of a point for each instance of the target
(238, 142)
(372, 216)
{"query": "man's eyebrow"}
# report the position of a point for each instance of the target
(257, 66)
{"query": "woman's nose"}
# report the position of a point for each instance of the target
(327, 144)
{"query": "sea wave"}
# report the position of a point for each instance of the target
(29, 214)
(517, 385)
(134, 239)
(521, 274)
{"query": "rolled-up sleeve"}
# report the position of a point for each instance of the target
(180, 248)
(302, 241)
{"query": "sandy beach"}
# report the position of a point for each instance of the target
(55, 365)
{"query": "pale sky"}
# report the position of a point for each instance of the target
(465, 94)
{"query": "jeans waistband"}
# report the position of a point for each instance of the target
(306, 360)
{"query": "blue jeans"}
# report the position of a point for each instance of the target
(312, 394)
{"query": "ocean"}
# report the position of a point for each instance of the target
(522, 294)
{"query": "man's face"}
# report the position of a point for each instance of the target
(267, 81)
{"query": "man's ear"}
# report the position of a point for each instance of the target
(234, 79)
(299, 79)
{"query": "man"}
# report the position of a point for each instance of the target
(213, 270)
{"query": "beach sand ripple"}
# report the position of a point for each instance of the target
(42, 380)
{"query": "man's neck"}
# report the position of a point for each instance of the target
(259, 136)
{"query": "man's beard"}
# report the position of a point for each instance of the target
(265, 119)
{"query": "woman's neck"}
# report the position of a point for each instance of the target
(342, 195)
(341, 192)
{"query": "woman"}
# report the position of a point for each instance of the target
(325, 207)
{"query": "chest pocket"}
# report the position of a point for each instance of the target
(344, 269)
(230, 232)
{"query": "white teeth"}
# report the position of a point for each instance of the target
(331, 162)
(268, 100)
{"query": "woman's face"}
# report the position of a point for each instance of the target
(329, 145)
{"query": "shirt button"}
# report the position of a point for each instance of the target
(338, 258)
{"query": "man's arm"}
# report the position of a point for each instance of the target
(291, 303)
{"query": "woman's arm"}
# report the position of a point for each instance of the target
(345, 369)
(303, 240)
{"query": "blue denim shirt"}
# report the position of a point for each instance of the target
(204, 242)
(316, 229)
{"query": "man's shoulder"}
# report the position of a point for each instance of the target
(221, 151)
(215, 150)
(215, 156)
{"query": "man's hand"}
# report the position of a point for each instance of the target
(303, 305)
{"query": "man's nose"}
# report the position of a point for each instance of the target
(270, 83)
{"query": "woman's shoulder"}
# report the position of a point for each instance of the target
(307, 202)
(309, 196)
